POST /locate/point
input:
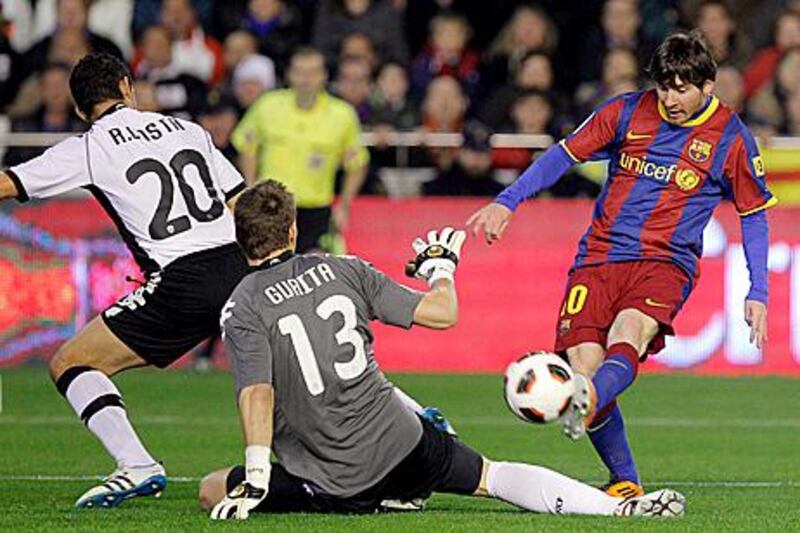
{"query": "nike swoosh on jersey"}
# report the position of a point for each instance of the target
(636, 136)
(653, 303)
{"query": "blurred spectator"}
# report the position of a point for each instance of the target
(219, 117)
(377, 19)
(443, 111)
(301, 136)
(447, 54)
(529, 30)
(392, 110)
(535, 72)
(792, 124)
(146, 99)
(531, 114)
(10, 77)
(277, 26)
(70, 40)
(254, 75)
(55, 115)
(619, 28)
(193, 51)
(761, 69)
(16, 19)
(729, 88)
(177, 93)
(716, 21)
(353, 84)
(238, 45)
(471, 172)
(769, 104)
(359, 46)
(109, 18)
(620, 73)
(444, 106)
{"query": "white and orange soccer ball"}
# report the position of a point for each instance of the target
(538, 387)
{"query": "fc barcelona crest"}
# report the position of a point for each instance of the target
(699, 151)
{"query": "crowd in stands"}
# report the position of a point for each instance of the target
(450, 66)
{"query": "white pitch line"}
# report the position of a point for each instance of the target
(700, 484)
(188, 421)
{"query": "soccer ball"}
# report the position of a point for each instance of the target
(538, 387)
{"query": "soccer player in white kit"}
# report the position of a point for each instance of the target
(166, 187)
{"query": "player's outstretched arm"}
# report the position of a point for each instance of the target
(8, 188)
(438, 309)
(755, 238)
(493, 218)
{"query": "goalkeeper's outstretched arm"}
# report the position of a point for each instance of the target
(438, 309)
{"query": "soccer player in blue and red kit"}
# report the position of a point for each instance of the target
(674, 153)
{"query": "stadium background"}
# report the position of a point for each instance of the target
(61, 262)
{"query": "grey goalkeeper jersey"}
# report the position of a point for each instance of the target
(301, 324)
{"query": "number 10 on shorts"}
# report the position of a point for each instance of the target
(575, 300)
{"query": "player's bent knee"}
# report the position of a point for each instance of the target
(634, 327)
(65, 358)
(212, 489)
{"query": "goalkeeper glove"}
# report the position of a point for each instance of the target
(438, 256)
(248, 494)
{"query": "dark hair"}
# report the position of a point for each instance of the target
(684, 55)
(95, 79)
(263, 214)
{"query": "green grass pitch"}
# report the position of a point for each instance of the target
(731, 445)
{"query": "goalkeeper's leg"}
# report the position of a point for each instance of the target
(542, 490)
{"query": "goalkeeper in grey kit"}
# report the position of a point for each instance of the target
(310, 391)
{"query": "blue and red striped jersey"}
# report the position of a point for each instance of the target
(664, 179)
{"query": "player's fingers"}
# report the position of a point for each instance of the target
(242, 512)
(419, 245)
(474, 216)
(432, 236)
(458, 241)
(445, 235)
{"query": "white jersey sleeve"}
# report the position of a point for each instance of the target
(61, 168)
(230, 180)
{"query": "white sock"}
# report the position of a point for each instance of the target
(106, 417)
(410, 402)
(542, 490)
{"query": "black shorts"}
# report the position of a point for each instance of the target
(179, 306)
(312, 224)
(438, 463)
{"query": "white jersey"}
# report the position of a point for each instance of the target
(160, 178)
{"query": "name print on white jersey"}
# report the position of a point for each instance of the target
(152, 131)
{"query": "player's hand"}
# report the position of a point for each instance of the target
(493, 218)
(239, 502)
(340, 217)
(755, 314)
(437, 256)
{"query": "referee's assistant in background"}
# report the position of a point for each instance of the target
(301, 136)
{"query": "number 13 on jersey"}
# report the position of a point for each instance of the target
(292, 325)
